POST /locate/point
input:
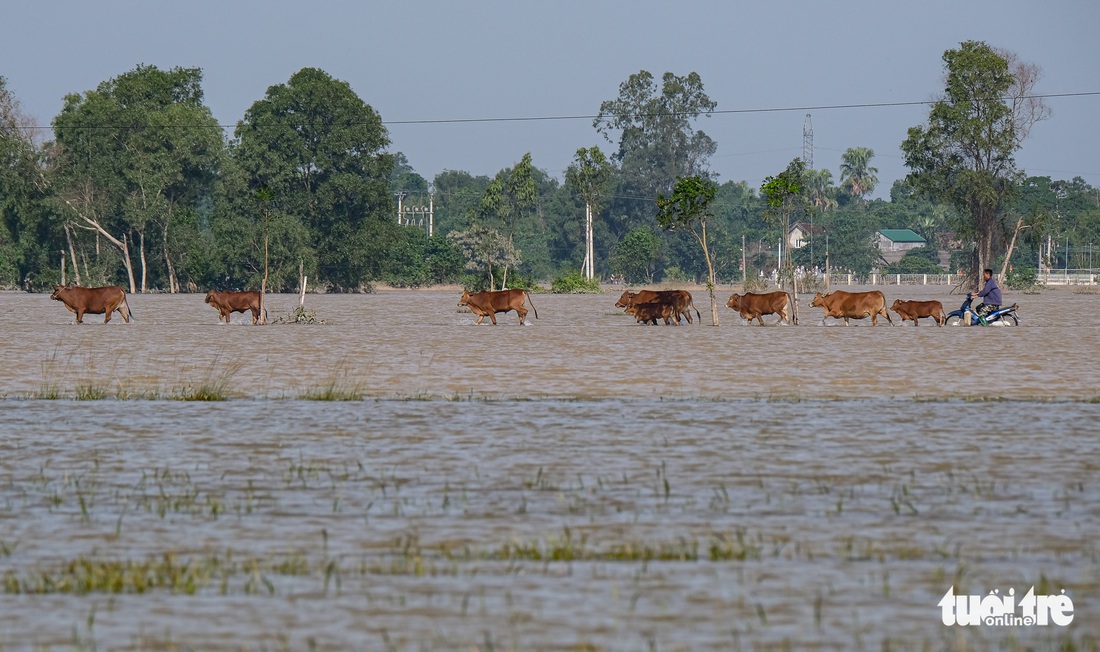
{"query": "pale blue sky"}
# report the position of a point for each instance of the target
(437, 60)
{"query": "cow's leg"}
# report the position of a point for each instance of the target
(79, 315)
(493, 317)
(255, 315)
(916, 320)
(522, 312)
(479, 318)
(107, 315)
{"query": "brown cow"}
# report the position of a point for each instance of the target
(489, 303)
(679, 299)
(752, 305)
(651, 311)
(853, 305)
(94, 301)
(916, 309)
(230, 302)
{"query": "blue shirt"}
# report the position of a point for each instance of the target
(991, 294)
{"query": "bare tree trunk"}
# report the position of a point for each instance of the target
(72, 253)
(1011, 246)
(263, 286)
(144, 266)
(710, 274)
(123, 244)
(173, 283)
(303, 278)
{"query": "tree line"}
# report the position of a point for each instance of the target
(140, 186)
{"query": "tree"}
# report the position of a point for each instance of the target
(29, 237)
(819, 184)
(785, 195)
(964, 156)
(321, 151)
(857, 176)
(135, 154)
(507, 200)
(635, 255)
(657, 143)
(588, 177)
(485, 248)
(689, 208)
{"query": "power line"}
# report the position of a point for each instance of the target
(559, 118)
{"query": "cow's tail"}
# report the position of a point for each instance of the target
(691, 302)
(533, 309)
(129, 315)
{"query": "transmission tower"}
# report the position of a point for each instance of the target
(808, 143)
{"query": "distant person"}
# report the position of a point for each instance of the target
(990, 295)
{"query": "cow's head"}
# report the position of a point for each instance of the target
(625, 299)
(734, 302)
(897, 302)
(818, 301)
(56, 296)
(465, 298)
(210, 296)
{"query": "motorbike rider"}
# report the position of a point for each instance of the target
(990, 295)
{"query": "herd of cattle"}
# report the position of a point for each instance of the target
(647, 306)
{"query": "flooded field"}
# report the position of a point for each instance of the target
(581, 483)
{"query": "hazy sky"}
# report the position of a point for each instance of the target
(438, 60)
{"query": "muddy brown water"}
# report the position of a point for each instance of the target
(582, 481)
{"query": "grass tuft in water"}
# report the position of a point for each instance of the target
(213, 386)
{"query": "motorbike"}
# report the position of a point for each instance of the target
(1000, 317)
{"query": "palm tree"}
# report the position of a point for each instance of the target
(822, 192)
(856, 174)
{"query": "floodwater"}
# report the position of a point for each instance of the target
(580, 483)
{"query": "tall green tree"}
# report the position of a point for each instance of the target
(635, 256)
(134, 155)
(965, 154)
(322, 151)
(688, 207)
(30, 239)
(819, 185)
(857, 176)
(510, 198)
(652, 126)
(787, 197)
(588, 177)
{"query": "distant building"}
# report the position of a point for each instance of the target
(899, 240)
(800, 234)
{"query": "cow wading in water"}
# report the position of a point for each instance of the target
(680, 300)
(230, 302)
(754, 306)
(916, 309)
(93, 301)
(852, 305)
(490, 303)
(650, 311)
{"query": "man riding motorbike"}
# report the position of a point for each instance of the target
(990, 295)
